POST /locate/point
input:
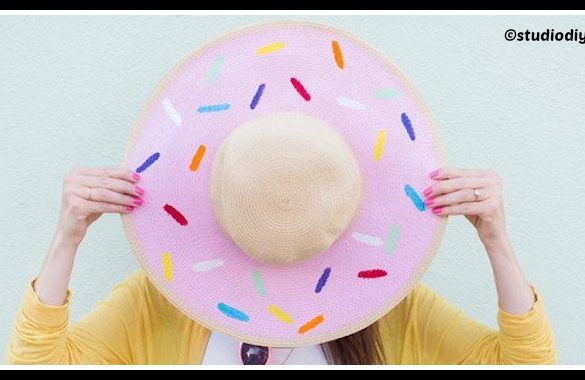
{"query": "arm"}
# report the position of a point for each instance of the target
(453, 193)
(41, 334)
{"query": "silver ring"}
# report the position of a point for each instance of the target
(477, 194)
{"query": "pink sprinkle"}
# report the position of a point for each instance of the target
(374, 273)
(300, 89)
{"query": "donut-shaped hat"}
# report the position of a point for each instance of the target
(283, 166)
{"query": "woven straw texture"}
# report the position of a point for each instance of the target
(263, 70)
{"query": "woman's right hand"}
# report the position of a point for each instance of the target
(90, 192)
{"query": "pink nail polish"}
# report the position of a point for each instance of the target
(139, 190)
(437, 210)
(136, 176)
(428, 191)
(129, 208)
(138, 202)
(434, 174)
(428, 202)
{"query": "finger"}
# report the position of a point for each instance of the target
(105, 195)
(114, 184)
(456, 197)
(106, 208)
(119, 173)
(451, 185)
(452, 172)
(469, 208)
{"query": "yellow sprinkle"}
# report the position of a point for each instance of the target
(284, 317)
(167, 266)
(270, 48)
(379, 147)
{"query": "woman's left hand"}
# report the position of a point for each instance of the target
(475, 193)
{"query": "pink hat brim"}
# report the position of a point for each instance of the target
(284, 67)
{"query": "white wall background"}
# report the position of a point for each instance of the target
(71, 87)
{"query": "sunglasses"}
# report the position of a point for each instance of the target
(255, 355)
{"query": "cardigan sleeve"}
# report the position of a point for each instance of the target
(438, 333)
(42, 334)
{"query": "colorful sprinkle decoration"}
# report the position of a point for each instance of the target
(323, 280)
(337, 55)
(385, 94)
(300, 89)
(367, 239)
(149, 161)
(257, 96)
(259, 283)
(270, 48)
(311, 324)
(372, 273)
(179, 218)
(214, 108)
(215, 68)
(379, 146)
(408, 126)
(415, 198)
(197, 158)
(172, 112)
(167, 265)
(391, 239)
(233, 313)
(208, 265)
(351, 104)
(281, 315)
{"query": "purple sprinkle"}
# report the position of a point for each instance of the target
(257, 97)
(149, 161)
(408, 126)
(323, 280)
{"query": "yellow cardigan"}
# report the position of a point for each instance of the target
(137, 325)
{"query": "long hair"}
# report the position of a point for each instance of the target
(361, 348)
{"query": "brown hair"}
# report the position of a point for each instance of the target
(361, 348)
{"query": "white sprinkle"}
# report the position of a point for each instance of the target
(172, 112)
(367, 239)
(350, 103)
(205, 266)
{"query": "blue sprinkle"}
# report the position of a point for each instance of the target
(214, 108)
(323, 280)
(416, 200)
(257, 97)
(408, 126)
(149, 161)
(233, 313)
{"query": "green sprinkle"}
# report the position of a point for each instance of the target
(215, 68)
(385, 94)
(259, 283)
(391, 240)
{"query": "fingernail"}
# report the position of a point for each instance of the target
(139, 190)
(136, 176)
(434, 174)
(437, 210)
(129, 208)
(138, 202)
(428, 191)
(428, 202)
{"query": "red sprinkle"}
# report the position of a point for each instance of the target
(300, 89)
(374, 273)
(176, 215)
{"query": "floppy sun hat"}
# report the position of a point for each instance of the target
(283, 165)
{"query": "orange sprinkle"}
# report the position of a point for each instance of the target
(197, 158)
(337, 54)
(311, 324)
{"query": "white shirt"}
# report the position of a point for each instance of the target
(223, 350)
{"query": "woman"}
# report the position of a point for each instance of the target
(136, 325)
